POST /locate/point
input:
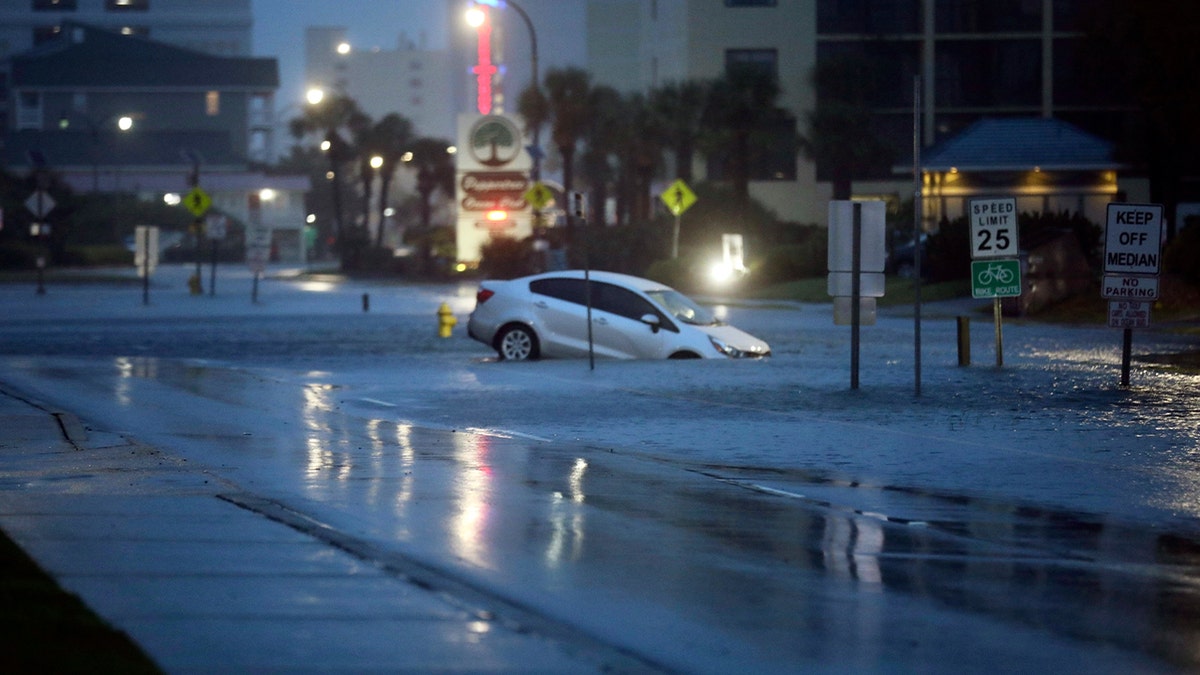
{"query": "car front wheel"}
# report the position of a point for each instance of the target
(517, 343)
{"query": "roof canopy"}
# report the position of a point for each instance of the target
(86, 56)
(1021, 144)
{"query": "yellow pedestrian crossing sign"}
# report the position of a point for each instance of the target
(539, 195)
(678, 197)
(197, 201)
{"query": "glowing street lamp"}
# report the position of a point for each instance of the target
(476, 17)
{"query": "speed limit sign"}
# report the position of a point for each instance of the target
(994, 228)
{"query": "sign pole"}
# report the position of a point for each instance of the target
(996, 311)
(1126, 355)
(855, 292)
(146, 266)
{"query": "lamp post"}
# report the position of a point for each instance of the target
(536, 173)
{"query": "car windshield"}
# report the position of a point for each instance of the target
(683, 308)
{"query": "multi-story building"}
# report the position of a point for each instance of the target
(411, 80)
(976, 59)
(116, 113)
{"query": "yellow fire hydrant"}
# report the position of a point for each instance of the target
(446, 321)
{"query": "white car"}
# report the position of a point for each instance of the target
(545, 315)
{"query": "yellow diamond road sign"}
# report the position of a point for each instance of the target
(678, 197)
(197, 201)
(539, 195)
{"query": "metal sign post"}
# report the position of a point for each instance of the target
(577, 212)
(994, 241)
(856, 260)
(1132, 257)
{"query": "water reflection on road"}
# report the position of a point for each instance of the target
(698, 566)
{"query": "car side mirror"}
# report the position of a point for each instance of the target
(652, 321)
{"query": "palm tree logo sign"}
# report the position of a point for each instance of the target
(495, 141)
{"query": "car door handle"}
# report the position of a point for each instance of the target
(540, 304)
(600, 320)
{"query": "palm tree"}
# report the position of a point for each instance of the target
(328, 119)
(435, 169)
(602, 137)
(840, 138)
(567, 94)
(389, 139)
(680, 107)
(738, 105)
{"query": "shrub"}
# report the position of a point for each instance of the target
(1182, 254)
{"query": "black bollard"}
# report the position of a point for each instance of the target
(964, 340)
(366, 299)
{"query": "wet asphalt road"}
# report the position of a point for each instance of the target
(686, 564)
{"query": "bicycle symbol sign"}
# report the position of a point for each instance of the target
(995, 278)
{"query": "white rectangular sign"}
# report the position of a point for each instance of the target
(1129, 287)
(994, 228)
(872, 253)
(1123, 314)
(1133, 238)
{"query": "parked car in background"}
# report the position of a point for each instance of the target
(545, 315)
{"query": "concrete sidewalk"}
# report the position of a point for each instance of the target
(169, 554)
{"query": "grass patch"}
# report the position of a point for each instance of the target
(896, 291)
(45, 629)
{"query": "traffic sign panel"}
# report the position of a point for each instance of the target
(1124, 314)
(40, 203)
(197, 201)
(1133, 239)
(539, 195)
(1129, 287)
(995, 278)
(994, 228)
(678, 197)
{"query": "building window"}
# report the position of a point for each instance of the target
(868, 17)
(765, 61)
(127, 5)
(54, 5)
(212, 103)
(989, 73)
(988, 16)
(749, 3)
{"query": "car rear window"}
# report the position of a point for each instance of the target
(570, 290)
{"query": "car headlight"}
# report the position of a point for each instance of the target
(726, 348)
(733, 352)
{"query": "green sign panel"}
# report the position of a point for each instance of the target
(995, 278)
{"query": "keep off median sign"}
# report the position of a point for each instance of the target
(1132, 260)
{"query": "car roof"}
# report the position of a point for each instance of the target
(597, 275)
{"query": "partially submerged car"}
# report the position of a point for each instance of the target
(545, 316)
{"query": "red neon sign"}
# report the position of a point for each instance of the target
(484, 69)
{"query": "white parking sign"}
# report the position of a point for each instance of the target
(994, 228)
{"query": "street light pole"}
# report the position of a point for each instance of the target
(536, 174)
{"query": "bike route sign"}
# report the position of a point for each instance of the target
(995, 278)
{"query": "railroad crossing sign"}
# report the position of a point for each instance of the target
(539, 195)
(678, 197)
(995, 278)
(197, 201)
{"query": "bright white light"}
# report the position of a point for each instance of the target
(125, 123)
(343, 48)
(312, 218)
(376, 161)
(325, 145)
(266, 194)
(452, 150)
(720, 273)
(314, 95)
(476, 17)
(406, 157)
(172, 199)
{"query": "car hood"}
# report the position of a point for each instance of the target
(736, 338)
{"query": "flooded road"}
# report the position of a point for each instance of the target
(724, 517)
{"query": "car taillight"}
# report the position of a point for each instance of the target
(483, 295)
